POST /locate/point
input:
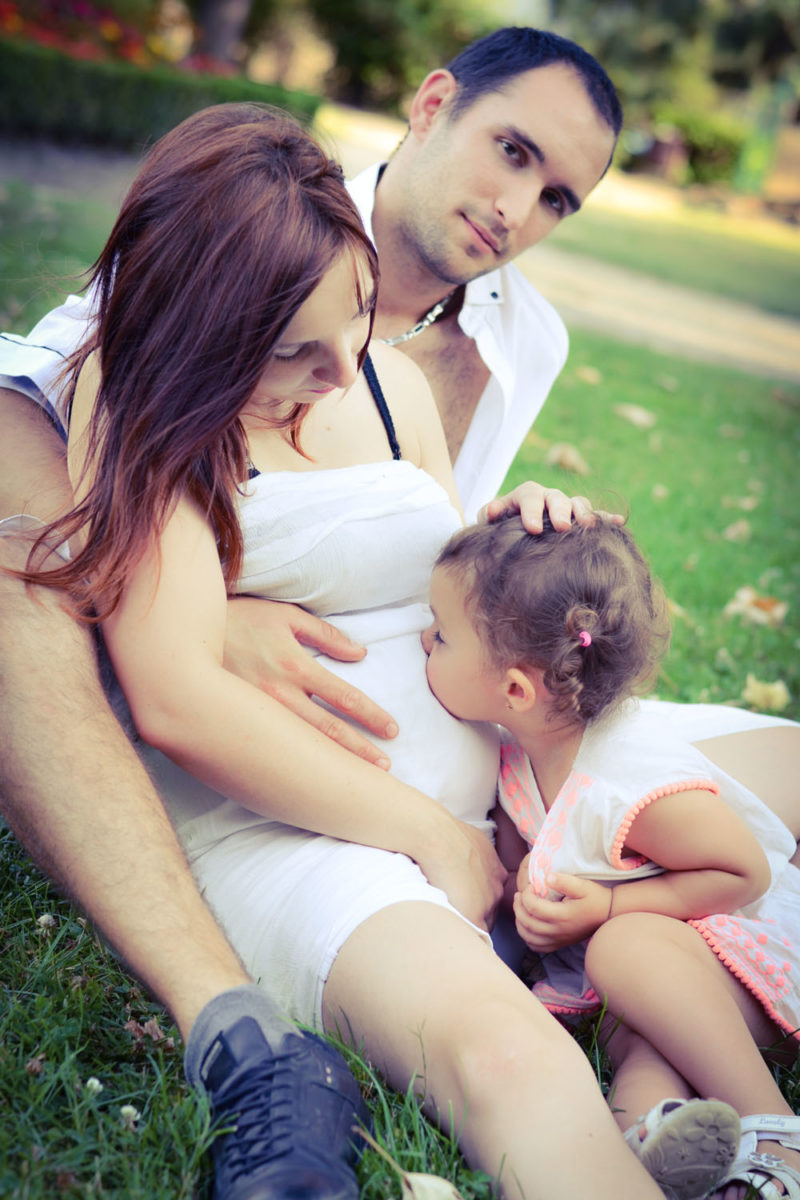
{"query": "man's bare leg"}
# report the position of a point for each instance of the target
(71, 785)
(74, 791)
(76, 795)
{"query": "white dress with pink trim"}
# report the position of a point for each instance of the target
(625, 762)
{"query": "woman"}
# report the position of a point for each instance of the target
(221, 439)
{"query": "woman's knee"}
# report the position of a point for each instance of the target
(502, 1043)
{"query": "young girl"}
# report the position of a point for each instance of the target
(222, 439)
(626, 836)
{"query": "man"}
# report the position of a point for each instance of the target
(493, 161)
(502, 145)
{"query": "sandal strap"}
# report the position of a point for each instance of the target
(760, 1171)
(781, 1129)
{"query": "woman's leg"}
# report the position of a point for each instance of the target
(668, 986)
(428, 999)
(768, 762)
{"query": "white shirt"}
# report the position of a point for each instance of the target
(518, 334)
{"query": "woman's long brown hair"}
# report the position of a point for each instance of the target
(231, 223)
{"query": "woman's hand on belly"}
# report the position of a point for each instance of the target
(466, 867)
(265, 644)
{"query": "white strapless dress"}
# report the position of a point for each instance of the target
(354, 545)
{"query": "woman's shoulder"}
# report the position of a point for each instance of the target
(403, 383)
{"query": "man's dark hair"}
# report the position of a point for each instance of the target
(491, 62)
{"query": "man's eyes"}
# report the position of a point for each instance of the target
(554, 200)
(511, 151)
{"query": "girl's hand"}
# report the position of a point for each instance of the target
(523, 875)
(547, 925)
(532, 500)
(466, 867)
(264, 644)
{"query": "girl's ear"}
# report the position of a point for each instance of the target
(519, 689)
(432, 95)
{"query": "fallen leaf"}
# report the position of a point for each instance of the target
(564, 455)
(739, 531)
(769, 697)
(588, 375)
(413, 1184)
(642, 418)
(755, 608)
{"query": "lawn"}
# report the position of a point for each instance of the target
(707, 463)
(758, 263)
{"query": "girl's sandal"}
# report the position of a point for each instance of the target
(762, 1172)
(687, 1146)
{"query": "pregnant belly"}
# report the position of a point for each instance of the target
(455, 762)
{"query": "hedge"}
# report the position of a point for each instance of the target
(45, 93)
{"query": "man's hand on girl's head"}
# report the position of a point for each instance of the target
(532, 500)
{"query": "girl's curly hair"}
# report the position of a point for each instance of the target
(532, 595)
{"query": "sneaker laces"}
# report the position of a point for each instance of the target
(260, 1105)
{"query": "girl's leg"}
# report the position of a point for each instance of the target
(642, 1076)
(768, 762)
(660, 976)
(428, 999)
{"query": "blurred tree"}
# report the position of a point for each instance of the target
(657, 49)
(698, 69)
(755, 42)
(383, 50)
(221, 26)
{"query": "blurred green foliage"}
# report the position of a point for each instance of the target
(383, 51)
(46, 92)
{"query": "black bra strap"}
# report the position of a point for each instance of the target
(380, 404)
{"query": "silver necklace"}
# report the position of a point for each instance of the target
(430, 317)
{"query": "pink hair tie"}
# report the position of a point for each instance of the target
(585, 638)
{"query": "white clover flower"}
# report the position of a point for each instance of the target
(93, 1086)
(129, 1116)
(45, 922)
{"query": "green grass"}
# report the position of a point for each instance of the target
(696, 249)
(46, 243)
(69, 1011)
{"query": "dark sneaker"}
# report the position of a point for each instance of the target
(290, 1113)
